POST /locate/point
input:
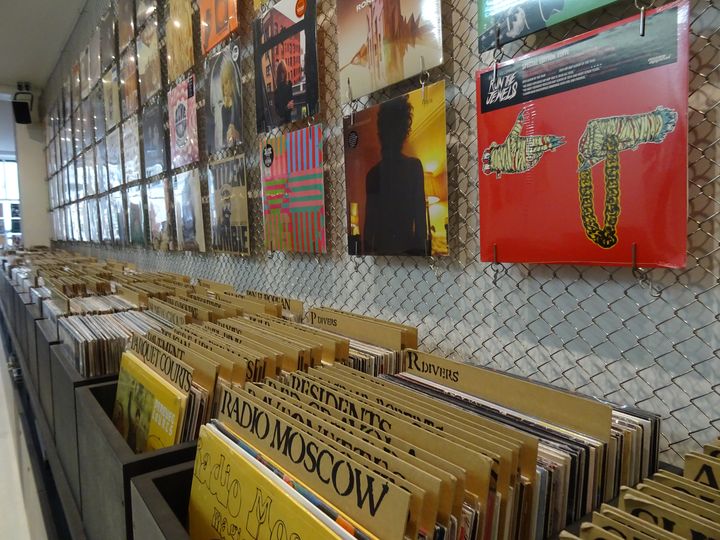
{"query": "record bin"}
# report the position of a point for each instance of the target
(160, 501)
(22, 300)
(107, 464)
(46, 337)
(32, 315)
(65, 379)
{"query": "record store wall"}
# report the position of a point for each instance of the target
(651, 340)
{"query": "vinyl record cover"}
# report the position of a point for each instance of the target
(75, 88)
(125, 22)
(502, 21)
(98, 112)
(149, 61)
(182, 120)
(223, 98)
(227, 193)
(84, 74)
(101, 171)
(117, 212)
(80, 176)
(136, 215)
(77, 131)
(83, 222)
(111, 94)
(67, 97)
(396, 176)
(218, 18)
(131, 150)
(108, 38)
(114, 161)
(94, 69)
(189, 224)
(105, 221)
(128, 81)
(69, 148)
(179, 37)
(382, 42)
(144, 10)
(93, 221)
(88, 122)
(286, 67)
(158, 216)
(593, 186)
(154, 139)
(76, 216)
(90, 185)
(293, 191)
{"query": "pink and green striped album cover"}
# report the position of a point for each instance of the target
(293, 191)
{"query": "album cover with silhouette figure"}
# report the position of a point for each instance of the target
(583, 148)
(396, 176)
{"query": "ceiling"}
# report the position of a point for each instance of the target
(32, 35)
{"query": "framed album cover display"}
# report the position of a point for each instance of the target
(182, 121)
(228, 206)
(131, 149)
(148, 53)
(179, 37)
(189, 222)
(153, 128)
(218, 18)
(158, 204)
(223, 98)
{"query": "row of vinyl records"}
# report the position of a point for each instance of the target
(438, 450)
(667, 506)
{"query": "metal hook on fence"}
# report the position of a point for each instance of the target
(495, 266)
(424, 78)
(642, 276)
(643, 8)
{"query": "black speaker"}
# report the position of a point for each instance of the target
(22, 107)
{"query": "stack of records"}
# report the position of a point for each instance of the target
(96, 342)
(441, 450)
(100, 304)
(667, 505)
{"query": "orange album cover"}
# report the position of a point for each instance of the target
(218, 18)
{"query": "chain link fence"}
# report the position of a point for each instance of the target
(653, 342)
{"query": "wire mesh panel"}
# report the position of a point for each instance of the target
(650, 339)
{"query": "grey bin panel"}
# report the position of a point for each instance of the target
(47, 338)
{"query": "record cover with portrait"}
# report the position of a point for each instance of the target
(136, 215)
(84, 74)
(101, 172)
(218, 18)
(75, 87)
(179, 37)
(128, 81)
(114, 159)
(94, 69)
(107, 39)
(158, 215)
(98, 112)
(144, 9)
(90, 185)
(148, 53)
(154, 139)
(286, 67)
(126, 22)
(105, 219)
(182, 121)
(93, 221)
(117, 213)
(227, 194)
(189, 224)
(111, 97)
(131, 149)
(293, 192)
(382, 42)
(396, 176)
(223, 98)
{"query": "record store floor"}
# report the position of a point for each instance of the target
(20, 512)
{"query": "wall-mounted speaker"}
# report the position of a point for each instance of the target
(22, 107)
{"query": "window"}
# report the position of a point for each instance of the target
(9, 198)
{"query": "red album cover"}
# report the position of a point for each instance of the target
(583, 148)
